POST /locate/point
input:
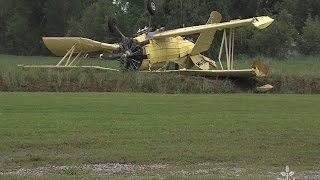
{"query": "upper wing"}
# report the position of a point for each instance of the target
(61, 45)
(259, 22)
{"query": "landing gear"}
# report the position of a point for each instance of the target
(152, 7)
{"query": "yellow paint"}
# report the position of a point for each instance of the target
(168, 49)
(61, 45)
(260, 22)
(206, 38)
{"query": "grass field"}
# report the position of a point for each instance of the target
(300, 65)
(259, 134)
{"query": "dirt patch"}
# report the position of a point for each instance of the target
(97, 169)
(223, 171)
(158, 170)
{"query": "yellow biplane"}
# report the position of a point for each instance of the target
(164, 51)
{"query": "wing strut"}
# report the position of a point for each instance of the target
(68, 63)
(69, 55)
(229, 49)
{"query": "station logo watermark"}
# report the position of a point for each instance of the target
(287, 175)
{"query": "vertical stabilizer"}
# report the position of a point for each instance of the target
(206, 38)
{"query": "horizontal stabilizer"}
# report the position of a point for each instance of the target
(61, 45)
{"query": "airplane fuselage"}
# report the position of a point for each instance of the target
(170, 49)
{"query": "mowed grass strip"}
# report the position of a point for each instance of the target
(43, 129)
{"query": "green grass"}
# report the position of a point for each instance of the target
(300, 65)
(257, 132)
(9, 62)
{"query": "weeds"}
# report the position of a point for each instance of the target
(90, 81)
(297, 75)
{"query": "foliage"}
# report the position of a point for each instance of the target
(299, 9)
(310, 38)
(277, 40)
(93, 22)
(20, 32)
(23, 23)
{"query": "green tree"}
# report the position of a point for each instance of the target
(55, 17)
(276, 41)
(23, 22)
(300, 10)
(21, 36)
(243, 8)
(93, 22)
(5, 13)
(309, 43)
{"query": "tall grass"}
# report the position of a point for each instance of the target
(294, 84)
(90, 81)
(296, 75)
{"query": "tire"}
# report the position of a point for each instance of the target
(152, 7)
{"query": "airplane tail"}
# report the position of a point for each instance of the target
(205, 39)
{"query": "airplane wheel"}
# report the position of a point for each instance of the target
(152, 7)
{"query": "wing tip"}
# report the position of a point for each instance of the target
(263, 22)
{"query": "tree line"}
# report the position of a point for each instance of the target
(24, 22)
